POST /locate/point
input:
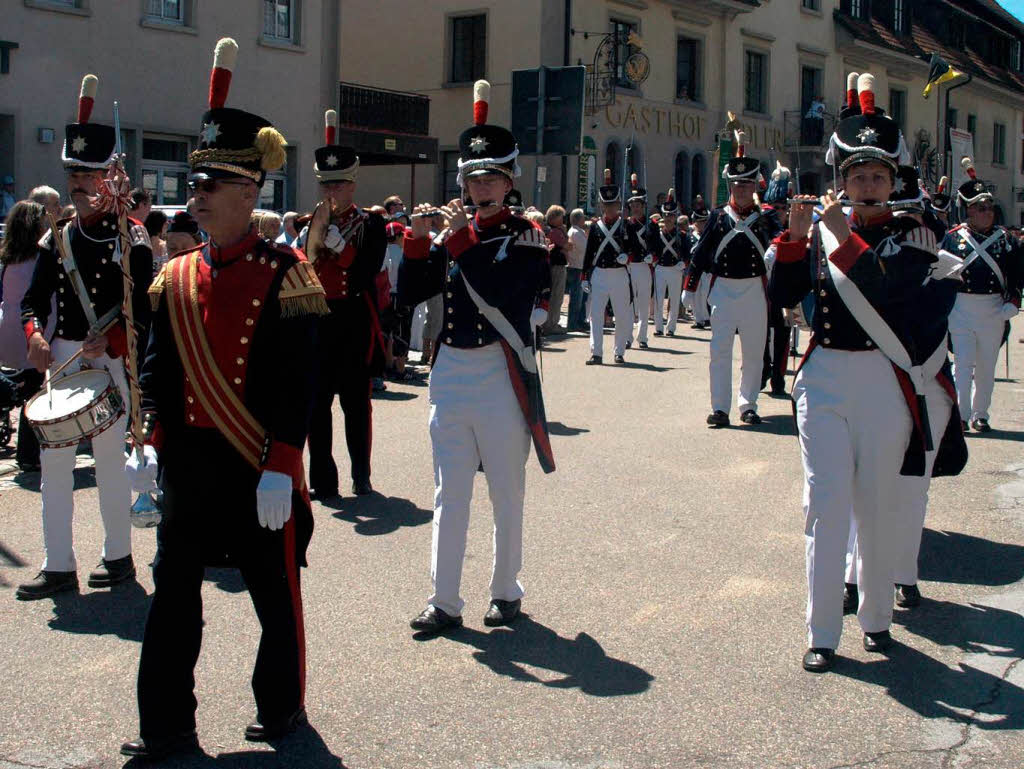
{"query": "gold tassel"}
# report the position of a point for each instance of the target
(300, 306)
(270, 144)
(156, 288)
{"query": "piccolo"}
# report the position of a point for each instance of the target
(880, 204)
(428, 214)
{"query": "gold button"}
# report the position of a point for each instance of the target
(110, 246)
(191, 399)
(451, 325)
(828, 341)
(62, 290)
(823, 292)
(479, 327)
(249, 321)
(60, 332)
(828, 325)
(239, 361)
(451, 310)
(60, 317)
(238, 380)
(191, 417)
(868, 343)
(824, 309)
(263, 260)
(450, 295)
(103, 260)
(273, 264)
(248, 257)
(244, 340)
(98, 275)
(62, 304)
(479, 340)
(255, 302)
(448, 340)
(93, 290)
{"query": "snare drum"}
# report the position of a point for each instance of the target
(78, 406)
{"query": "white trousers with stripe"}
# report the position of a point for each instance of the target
(610, 283)
(668, 279)
(738, 305)
(640, 275)
(976, 329)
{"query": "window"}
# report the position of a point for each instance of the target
(688, 69)
(272, 193)
(811, 5)
(951, 118)
(613, 161)
(899, 21)
(623, 50)
(898, 107)
(855, 7)
(279, 20)
(165, 168)
(999, 144)
(165, 10)
(756, 95)
(449, 173)
(469, 48)
(1018, 60)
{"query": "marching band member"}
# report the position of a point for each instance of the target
(859, 397)
(88, 286)
(732, 251)
(609, 245)
(228, 384)
(485, 396)
(347, 257)
(640, 261)
(776, 348)
(989, 297)
(697, 300)
(666, 244)
(940, 201)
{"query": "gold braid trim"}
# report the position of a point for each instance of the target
(301, 292)
(250, 154)
(156, 288)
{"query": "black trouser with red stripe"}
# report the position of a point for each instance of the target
(344, 341)
(210, 519)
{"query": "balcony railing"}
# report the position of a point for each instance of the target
(378, 109)
(803, 131)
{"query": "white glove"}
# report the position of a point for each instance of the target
(274, 500)
(333, 239)
(585, 285)
(1008, 311)
(622, 259)
(538, 316)
(648, 259)
(142, 477)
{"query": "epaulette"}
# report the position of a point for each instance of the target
(301, 292)
(156, 288)
(139, 236)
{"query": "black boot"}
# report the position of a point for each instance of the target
(718, 419)
(110, 573)
(594, 360)
(877, 642)
(362, 488)
(154, 749)
(750, 417)
(819, 660)
(907, 596)
(47, 583)
(275, 730)
(502, 612)
(434, 620)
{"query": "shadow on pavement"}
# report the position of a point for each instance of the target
(996, 435)
(644, 366)
(557, 428)
(228, 580)
(581, 661)
(394, 395)
(949, 556)
(376, 514)
(85, 478)
(778, 424)
(934, 690)
(668, 350)
(119, 611)
(304, 749)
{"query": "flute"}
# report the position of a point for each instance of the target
(842, 202)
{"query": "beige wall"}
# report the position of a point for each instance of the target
(159, 77)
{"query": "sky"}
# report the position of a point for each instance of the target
(1016, 7)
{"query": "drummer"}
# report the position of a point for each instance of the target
(88, 286)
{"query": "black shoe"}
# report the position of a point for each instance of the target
(819, 660)
(695, 324)
(110, 573)
(275, 730)
(718, 419)
(793, 352)
(659, 333)
(643, 345)
(501, 612)
(629, 345)
(594, 360)
(964, 426)
(361, 488)
(877, 642)
(322, 494)
(187, 742)
(619, 359)
(28, 467)
(435, 620)
(670, 333)
(981, 425)
(907, 596)
(778, 389)
(750, 417)
(47, 583)
(851, 598)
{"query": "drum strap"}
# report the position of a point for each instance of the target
(226, 410)
(71, 268)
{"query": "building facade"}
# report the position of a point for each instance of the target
(154, 58)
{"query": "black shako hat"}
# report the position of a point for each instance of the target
(233, 142)
(88, 145)
(636, 192)
(334, 162)
(941, 199)
(670, 205)
(740, 168)
(907, 194)
(609, 192)
(973, 190)
(864, 132)
(485, 148)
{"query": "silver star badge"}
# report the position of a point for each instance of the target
(979, 186)
(331, 160)
(210, 132)
(741, 167)
(478, 144)
(78, 145)
(867, 135)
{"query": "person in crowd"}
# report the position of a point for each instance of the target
(577, 317)
(288, 232)
(270, 227)
(7, 197)
(141, 205)
(48, 198)
(559, 246)
(156, 224)
(401, 316)
(182, 234)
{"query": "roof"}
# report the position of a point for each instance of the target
(920, 43)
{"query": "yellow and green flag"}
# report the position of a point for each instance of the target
(939, 72)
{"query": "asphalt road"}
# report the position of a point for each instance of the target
(664, 568)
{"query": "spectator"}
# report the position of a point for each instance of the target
(142, 204)
(577, 317)
(288, 231)
(67, 212)
(270, 226)
(814, 123)
(395, 209)
(7, 199)
(182, 234)
(558, 248)
(18, 251)
(401, 321)
(156, 223)
(536, 217)
(48, 198)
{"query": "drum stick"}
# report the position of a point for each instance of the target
(49, 392)
(102, 330)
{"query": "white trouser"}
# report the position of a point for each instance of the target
(911, 498)
(667, 279)
(737, 304)
(700, 299)
(640, 275)
(58, 481)
(854, 429)
(976, 329)
(475, 419)
(610, 283)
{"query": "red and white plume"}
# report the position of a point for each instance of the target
(851, 89)
(481, 101)
(330, 127)
(943, 183)
(671, 196)
(224, 57)
(607, 176)
(634, 182)
(968, 166)
(86, 98)
(866, 93)
(741, 144)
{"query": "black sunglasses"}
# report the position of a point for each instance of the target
(210, 185)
